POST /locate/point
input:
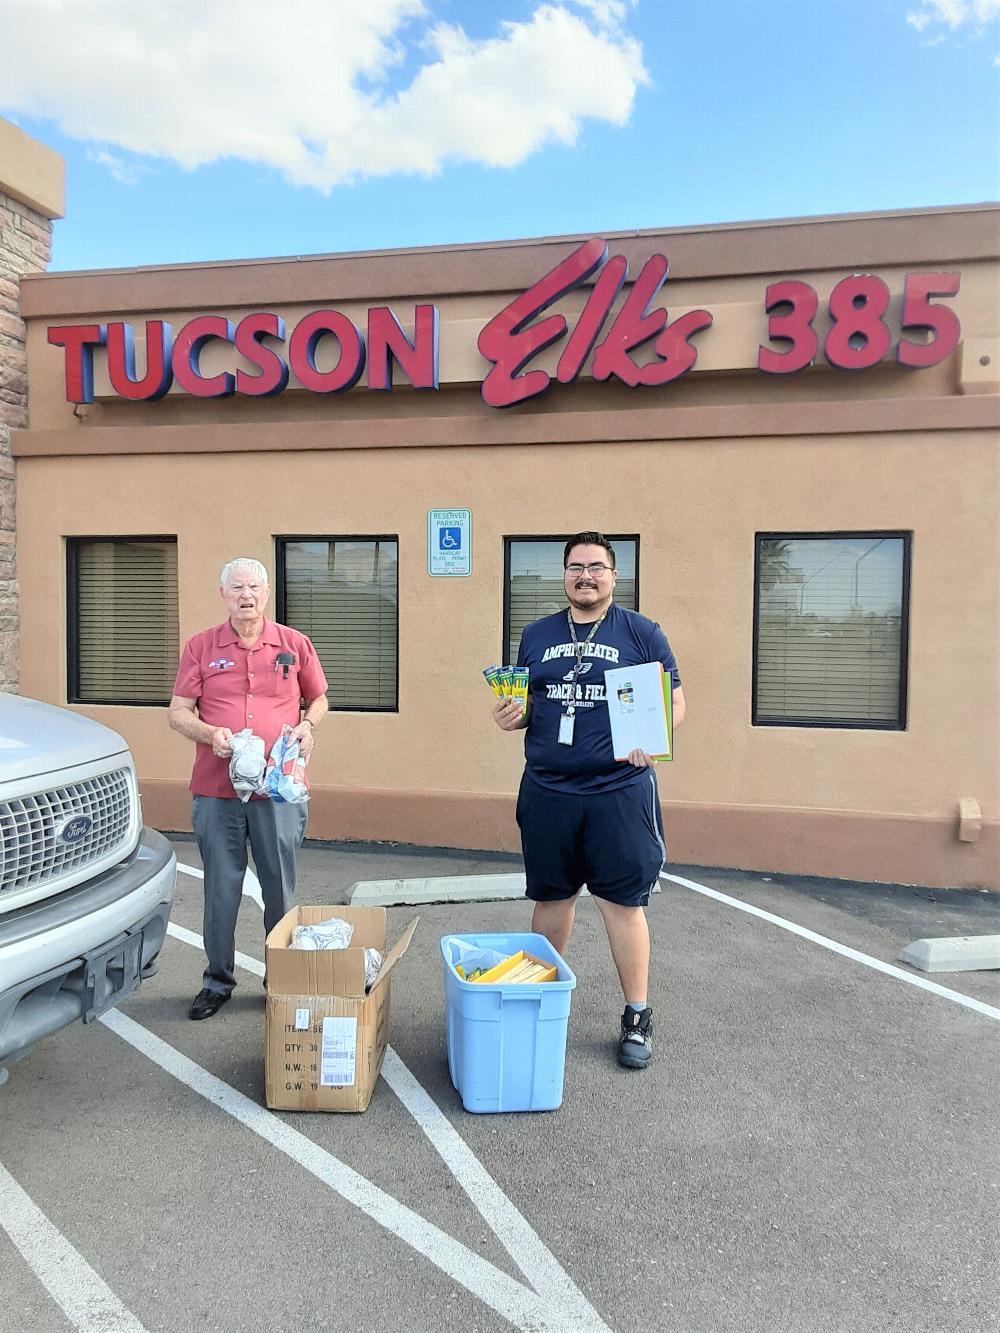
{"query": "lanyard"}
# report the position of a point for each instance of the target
(578, 648)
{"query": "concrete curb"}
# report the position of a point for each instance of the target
(436, 889)
(442, 889)
(960, 953)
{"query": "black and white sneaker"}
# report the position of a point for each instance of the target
(635, 1049)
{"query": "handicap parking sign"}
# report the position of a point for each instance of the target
(449, 542)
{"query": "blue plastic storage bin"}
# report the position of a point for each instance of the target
(506, 1043)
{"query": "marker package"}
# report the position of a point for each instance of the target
(519, 687)
(492, 674)
(509, 682)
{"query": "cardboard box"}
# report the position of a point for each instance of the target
(324, 1037)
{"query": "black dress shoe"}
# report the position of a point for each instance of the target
(207, 1003)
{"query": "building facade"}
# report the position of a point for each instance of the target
(791, 441)
(32, 187)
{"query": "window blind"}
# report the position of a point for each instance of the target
(343, 593)
(536, 587)
(125, 614)
(830, 630)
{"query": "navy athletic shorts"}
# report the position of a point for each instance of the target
(612, 841)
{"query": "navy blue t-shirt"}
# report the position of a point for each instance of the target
(588, 765)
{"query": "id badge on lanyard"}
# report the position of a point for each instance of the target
(567, 719)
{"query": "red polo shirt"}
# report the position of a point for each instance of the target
(240, 687)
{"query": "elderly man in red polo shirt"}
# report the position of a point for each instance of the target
(251, 673)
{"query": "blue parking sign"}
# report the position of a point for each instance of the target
(449, 542)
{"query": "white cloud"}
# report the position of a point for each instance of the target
(126, 173)
(955, 13)
(608, 13)
(305, 86)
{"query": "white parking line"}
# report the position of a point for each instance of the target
(189, 937)
(520, 1306)
(251, 884)
(517, 1236)
(84, 1298)
(876, 963)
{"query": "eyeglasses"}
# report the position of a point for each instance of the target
(595, 570)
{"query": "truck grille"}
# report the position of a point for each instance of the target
(31, 854)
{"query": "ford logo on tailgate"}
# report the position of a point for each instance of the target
(74, 829)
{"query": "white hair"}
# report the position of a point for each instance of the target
(244, 562)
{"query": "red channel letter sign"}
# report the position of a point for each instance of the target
(177, 360)
(510, 340)
(636, 344)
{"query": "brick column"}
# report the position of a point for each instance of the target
(31, 179)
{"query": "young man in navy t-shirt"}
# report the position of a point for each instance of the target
(585, 817)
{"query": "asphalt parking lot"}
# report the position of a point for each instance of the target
(813, 1151)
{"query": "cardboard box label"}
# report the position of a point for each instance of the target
(302, 1020)
(338, 1053)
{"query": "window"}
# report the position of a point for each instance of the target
(342, 593)
(533, 582)
(830, 629)
(122, 611)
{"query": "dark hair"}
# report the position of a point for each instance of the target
(589, 539)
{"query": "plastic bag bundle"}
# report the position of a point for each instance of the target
(332, 934)
(469, 962)
(247, 767)
(336, 933)
(286, 771)
(373, 962)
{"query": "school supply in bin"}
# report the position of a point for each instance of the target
(335, 933)
(248, 766)
(470, 961)
(286, 770)
(518, 968)
(508, 682)
(506, 1037)
(522, 969)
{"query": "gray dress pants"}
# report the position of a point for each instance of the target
(223, 828)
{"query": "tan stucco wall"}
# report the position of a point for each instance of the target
(696, 469)
(31, 172)
(31, 191)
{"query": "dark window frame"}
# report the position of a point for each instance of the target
(839, 724)
(73, 545)
(279, 597)
(613, 538)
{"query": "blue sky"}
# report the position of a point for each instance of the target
(196, 131)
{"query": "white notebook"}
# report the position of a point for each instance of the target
(639, 708)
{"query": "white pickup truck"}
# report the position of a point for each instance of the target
(85, 890)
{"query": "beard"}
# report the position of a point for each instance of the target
(588, 597)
